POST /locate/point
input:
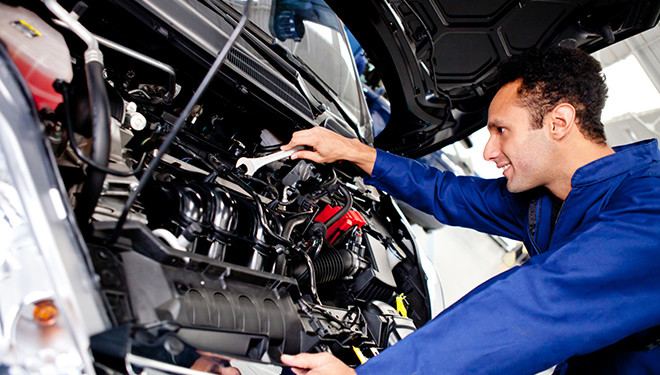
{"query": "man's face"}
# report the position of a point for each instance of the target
(519, 149)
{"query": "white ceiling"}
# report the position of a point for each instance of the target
(645, 47)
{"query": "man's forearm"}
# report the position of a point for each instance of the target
(363, 156)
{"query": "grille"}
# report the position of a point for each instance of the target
(269, 80)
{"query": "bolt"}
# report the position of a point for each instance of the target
(138, 121)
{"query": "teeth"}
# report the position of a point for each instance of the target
(504, 168)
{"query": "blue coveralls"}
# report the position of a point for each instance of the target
(592, 282)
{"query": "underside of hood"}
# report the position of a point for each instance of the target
(437, 58)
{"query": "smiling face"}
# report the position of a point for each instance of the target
(522, 151)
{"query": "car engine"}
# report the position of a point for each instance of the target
(298, 257)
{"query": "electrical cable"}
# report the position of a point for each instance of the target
(312, 276)
(317, 244)
(208, 165)
(181, 120)
(350, 232)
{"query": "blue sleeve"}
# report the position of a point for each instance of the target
(472, 202)
(600, 286)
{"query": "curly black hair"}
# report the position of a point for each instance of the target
(559, 75)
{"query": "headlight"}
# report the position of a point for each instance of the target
(44, 283)
(35, 334)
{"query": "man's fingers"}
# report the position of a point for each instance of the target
(301, 138)
(230, 371)
(290, 145)
(299, 361)
(214, 365)
(304, 360)
(299, 371)
(326, 146)
(309, 155)
(317, 364)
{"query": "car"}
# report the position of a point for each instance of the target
(148, 259)
(149, 226)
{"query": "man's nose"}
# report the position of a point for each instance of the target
(492, 149)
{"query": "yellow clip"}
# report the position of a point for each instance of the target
(360, 355)
(400, 306)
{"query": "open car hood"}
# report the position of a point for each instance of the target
(437, 58)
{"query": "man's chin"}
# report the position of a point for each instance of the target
(514, 188)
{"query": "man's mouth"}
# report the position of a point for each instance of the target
(504, 168)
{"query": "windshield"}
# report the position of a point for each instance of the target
(311, 31)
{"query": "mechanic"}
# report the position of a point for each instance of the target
(589, 215)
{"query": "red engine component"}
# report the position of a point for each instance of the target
(39, 51)
(343, 224)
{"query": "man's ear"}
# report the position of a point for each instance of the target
(562, 120)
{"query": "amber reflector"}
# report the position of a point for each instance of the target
(45, 313)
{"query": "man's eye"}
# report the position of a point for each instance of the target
(500, 129)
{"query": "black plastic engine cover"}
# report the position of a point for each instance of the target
(223, 307)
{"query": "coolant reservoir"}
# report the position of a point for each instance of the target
(38, 50)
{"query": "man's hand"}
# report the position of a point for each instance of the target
(316, 364)
(214, 364)
(328, 146)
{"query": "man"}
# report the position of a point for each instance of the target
(588, 214)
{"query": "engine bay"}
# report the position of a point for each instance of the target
(299, 257)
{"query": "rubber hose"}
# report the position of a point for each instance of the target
(100, 153)
(344, 210)
(333, 264)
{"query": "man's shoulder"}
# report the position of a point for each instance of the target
(652, 170)
(632, 160)
(642, 158)
(640, 186)
(647, 170)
